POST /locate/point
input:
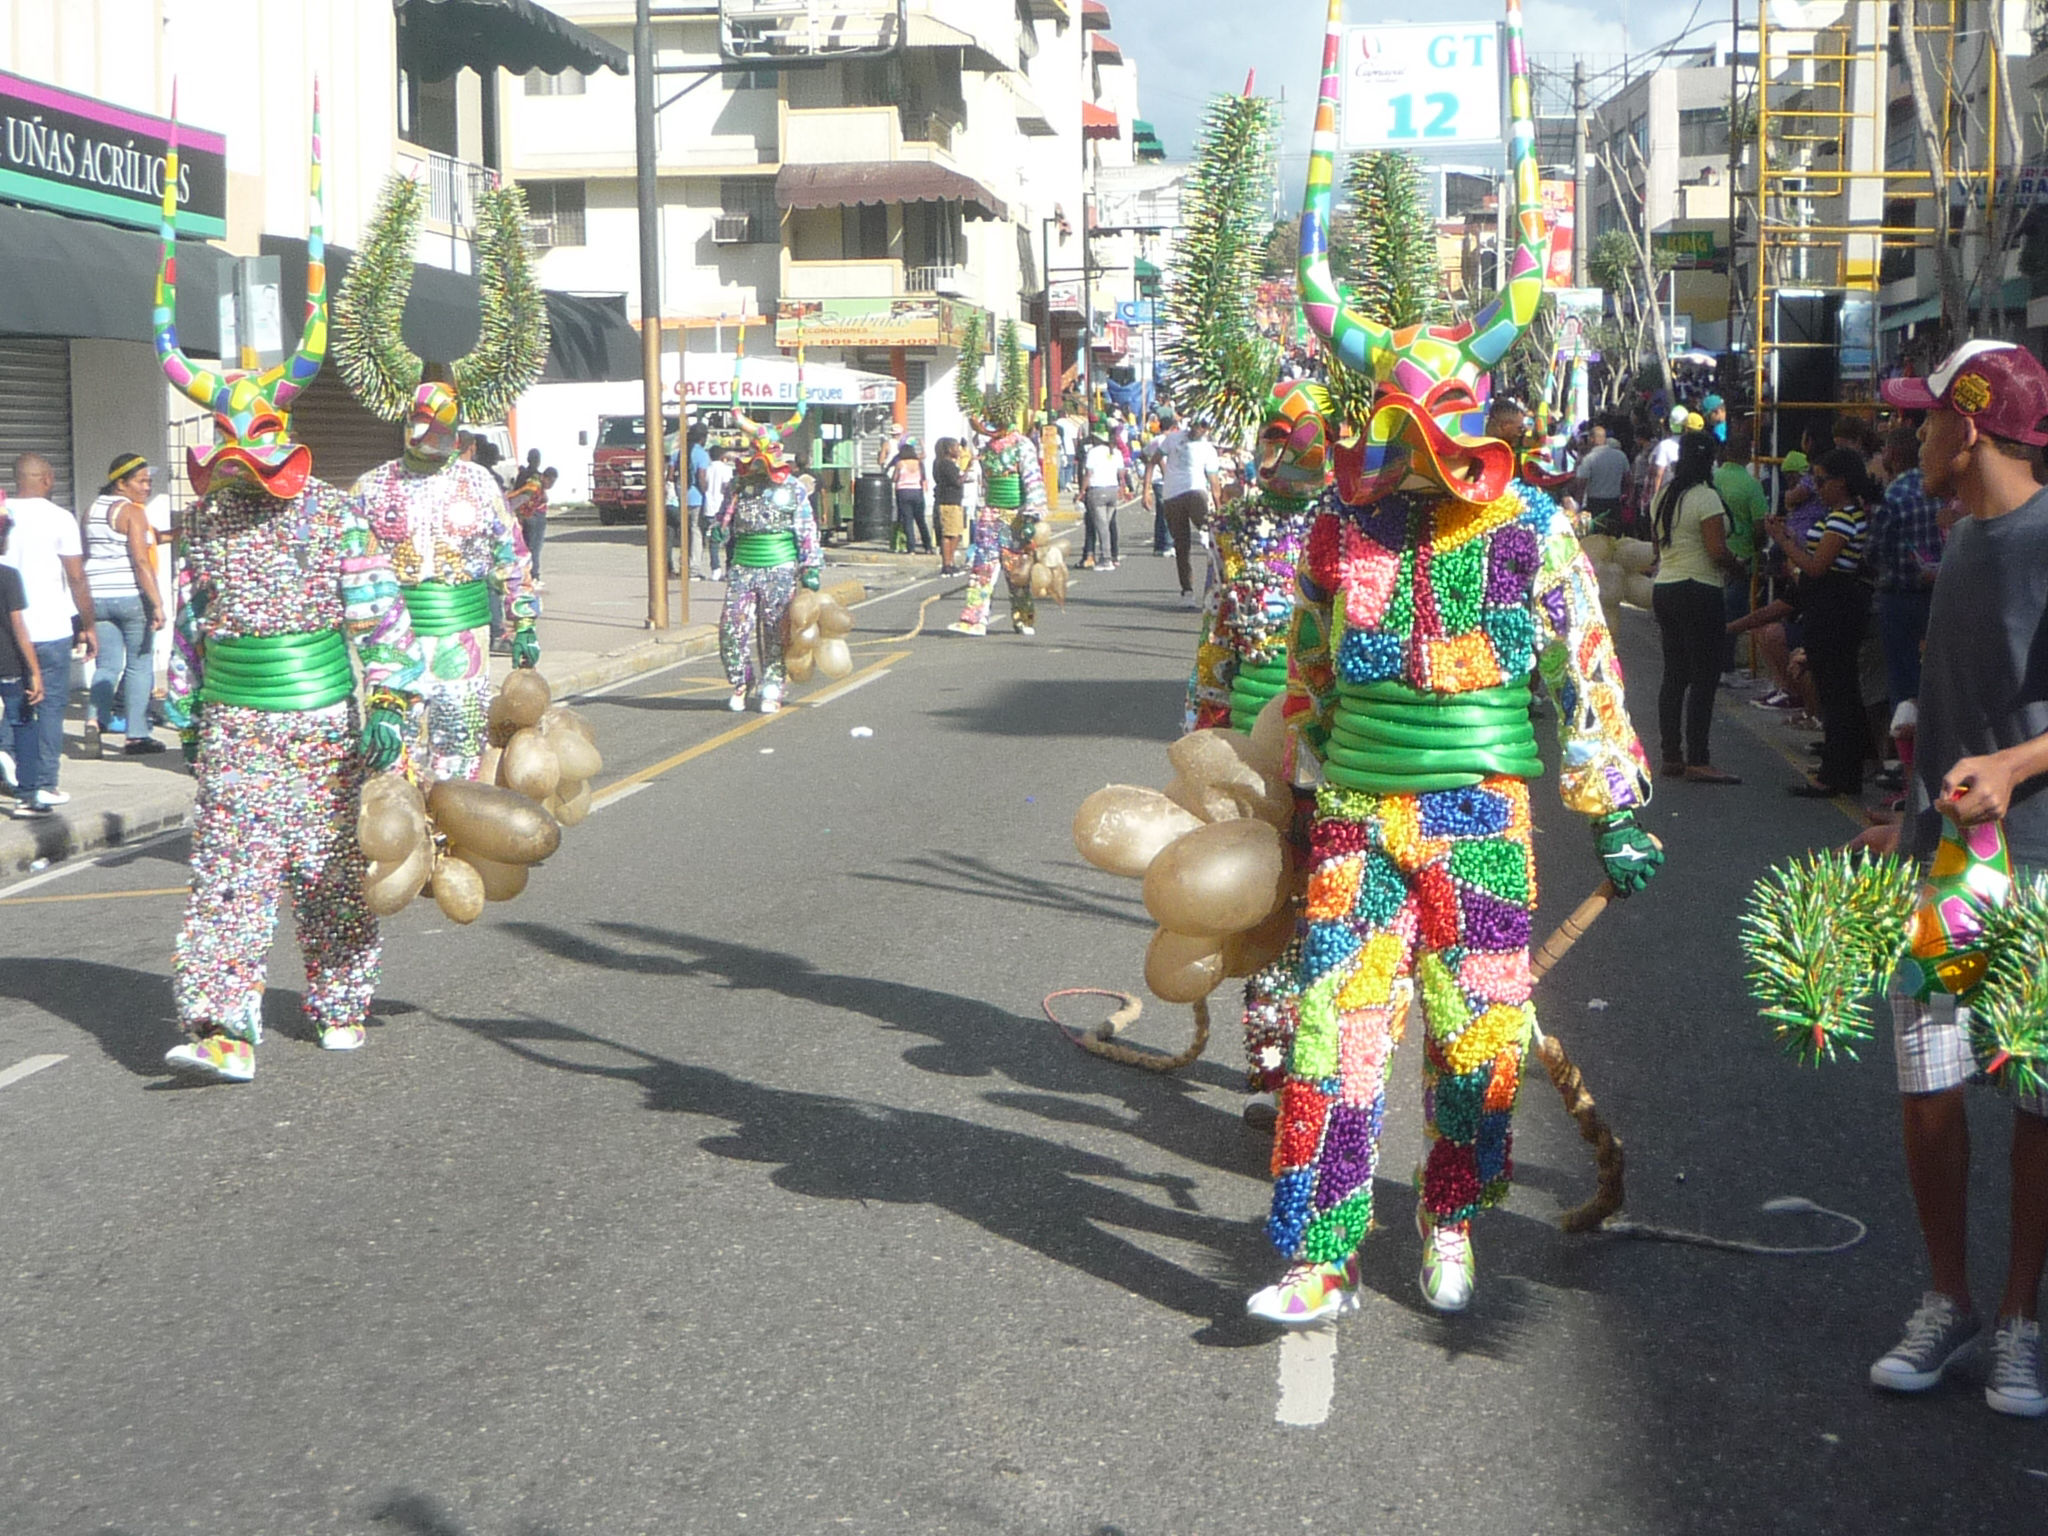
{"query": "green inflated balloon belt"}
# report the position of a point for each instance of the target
(1255, 685)
(1006, 491)
(441, 608)
(754, 551)
(278, 672)
(1387, 738)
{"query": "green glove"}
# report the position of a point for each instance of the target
(189, 745)
(525, 648)
(1628, 853)
(383, 739)
(811, 577)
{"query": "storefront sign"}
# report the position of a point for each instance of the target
(69, 152)
(907, 322)
(1691, 250)
(1560, 205)
(772, 381)
(1066, 299)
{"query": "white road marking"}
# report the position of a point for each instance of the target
(1308, 1376)
(625, 794)
(29, 1068)
(23, 887)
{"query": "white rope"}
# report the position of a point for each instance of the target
(1621, 1226)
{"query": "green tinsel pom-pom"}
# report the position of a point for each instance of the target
(2009, 1009)
(368, 343)
(1820, 934)
(512, 342)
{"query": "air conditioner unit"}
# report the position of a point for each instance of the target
(540, 234)
(951, 284)
(732, 229)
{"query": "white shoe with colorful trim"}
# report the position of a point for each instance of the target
(214, 1059)
(1309, 1294)
(1449, 1271)
(344, 1037)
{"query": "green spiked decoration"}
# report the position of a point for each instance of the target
(1385, 247)
(1002, 403)
(369, 313)
(1821, 934)
(1215, 361)
(2009, 1010)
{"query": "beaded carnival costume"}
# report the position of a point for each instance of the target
(1430, 596)
(454, 543)
(772, 533)
(1004, 532)
(281, 579)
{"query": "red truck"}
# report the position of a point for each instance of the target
(618, 466)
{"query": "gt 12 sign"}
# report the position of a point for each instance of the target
(1422, 87)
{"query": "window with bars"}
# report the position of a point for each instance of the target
(567, 83)
(554, 211)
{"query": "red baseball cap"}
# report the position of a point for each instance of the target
(2002, 388)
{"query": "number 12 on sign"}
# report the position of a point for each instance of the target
(1442, 107)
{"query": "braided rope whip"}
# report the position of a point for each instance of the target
(1101, 1041)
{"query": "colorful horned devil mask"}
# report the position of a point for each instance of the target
(766, 456)
(251, 411)
(1294, 440)
(1431, 381)
(369, 316)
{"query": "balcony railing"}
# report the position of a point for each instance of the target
(947, 279)
(452, 189)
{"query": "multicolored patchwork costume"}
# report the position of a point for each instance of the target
(274, 593)
(1241, 662)
(281, 579)
(1005, 531)
(455, 547)
(1430, 594)
(771, 533)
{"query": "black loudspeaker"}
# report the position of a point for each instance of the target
(1807, 362)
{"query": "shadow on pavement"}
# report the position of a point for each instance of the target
(961, 875)
(1107, 709)
(419, 1514)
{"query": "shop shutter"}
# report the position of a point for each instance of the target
(35, 408)
(917, 373)
(346, 439)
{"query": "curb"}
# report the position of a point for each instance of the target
(66, 834)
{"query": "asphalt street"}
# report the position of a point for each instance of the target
(732, 1179)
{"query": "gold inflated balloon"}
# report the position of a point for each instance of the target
(575, 804)
(530, 766)
(1056, 584)
(833, 619)
(1219, 879)
(1265, 749)
(835, 658)
(501, 881)
(1255, 948)
(800, 666)
(384, 830)
(1181, 968)
(560, 717)
(801, 640)
(387, 887)
(1638, 591)
(526, 696)
(1205, 800)
(458, 889)
(1122, 827)
(803, 609)
(487, 765)
(1635, 556)
(579, 759)
(1041, 581)
(498, 823)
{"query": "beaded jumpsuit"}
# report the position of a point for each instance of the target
(773, 536)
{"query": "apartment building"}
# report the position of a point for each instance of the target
(87, 91)
(867, 207)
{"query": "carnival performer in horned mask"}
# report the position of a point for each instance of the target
(455, 546)
(1005, 529)
(771, 532)
(281, 580)
(1430, 595)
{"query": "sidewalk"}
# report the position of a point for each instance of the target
(593, 631)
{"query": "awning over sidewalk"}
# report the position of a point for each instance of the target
(772, 381)
(439, 38)
(77, 278)
(899, 181)
(590, 340)
(1099, 122)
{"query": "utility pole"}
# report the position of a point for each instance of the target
(650, 324)
(1582, 223)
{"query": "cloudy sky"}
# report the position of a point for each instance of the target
(1188, 50)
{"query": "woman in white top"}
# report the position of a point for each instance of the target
(1691, 528)
(120, 567)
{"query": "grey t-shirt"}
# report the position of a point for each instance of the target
(1984, 675)
(1604, 469)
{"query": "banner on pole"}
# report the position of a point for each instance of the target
(1422, 87)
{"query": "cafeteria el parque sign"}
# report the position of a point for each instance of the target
(79, 155)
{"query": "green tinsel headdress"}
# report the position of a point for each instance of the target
(1000, 406)
(369, 312)
(1215, 361)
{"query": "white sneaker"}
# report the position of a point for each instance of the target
(771, 699)
(1449, 1272)
(1026, 629)
(2015, 1384)
(50, 799)
(1189, 600)
(738, 702)
(7, 770)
